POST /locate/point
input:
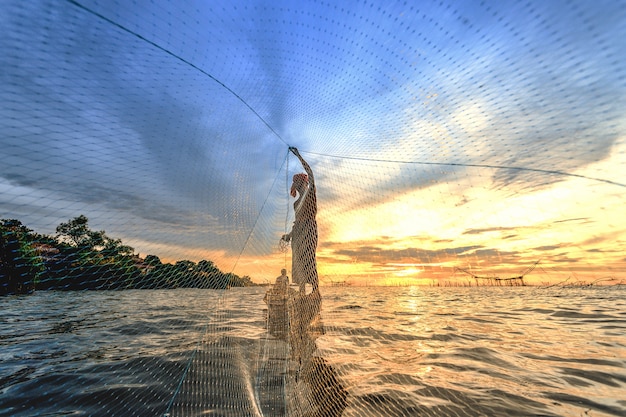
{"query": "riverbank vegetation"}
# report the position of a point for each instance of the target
(78, 258)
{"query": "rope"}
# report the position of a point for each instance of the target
(459, 164)
(185, 372)
(190, 361)
(179, 386)
(259, 214)
(264, 356)
(286, 211)
(181, 59)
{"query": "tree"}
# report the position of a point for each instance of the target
(237, 281)
(152, 260)
(20, 265)
(91, 259)
(207, 266)
(78, 258)
(76, 233)
(211, 275)
(112, 248)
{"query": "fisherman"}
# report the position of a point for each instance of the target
(303, 235)
(282, 282)
(280, 287)
(277, 309)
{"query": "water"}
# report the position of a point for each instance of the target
(487, 351)
(398, 351)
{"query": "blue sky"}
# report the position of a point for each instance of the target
(167, 123)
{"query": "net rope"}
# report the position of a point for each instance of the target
(312, 209)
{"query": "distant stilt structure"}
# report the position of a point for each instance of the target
(516, 281)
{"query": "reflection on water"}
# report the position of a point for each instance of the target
(397, 351)
(487, 351)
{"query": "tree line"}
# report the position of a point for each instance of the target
(78, 258)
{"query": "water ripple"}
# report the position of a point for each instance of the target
(398, 351)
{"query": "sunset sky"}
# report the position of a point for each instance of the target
(475, 135)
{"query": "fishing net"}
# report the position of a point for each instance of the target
(162, 162)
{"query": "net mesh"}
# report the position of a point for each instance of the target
(162, 162)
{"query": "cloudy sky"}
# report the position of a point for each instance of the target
(483, 135)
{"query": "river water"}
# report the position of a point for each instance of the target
(518, 351)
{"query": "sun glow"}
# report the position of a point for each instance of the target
(557, 223)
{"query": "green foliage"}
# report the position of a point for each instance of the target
(76, 232)
(78, 258)
(152, 260)
(20, 266)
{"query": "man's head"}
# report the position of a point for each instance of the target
(300, 181)
(283, 272)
